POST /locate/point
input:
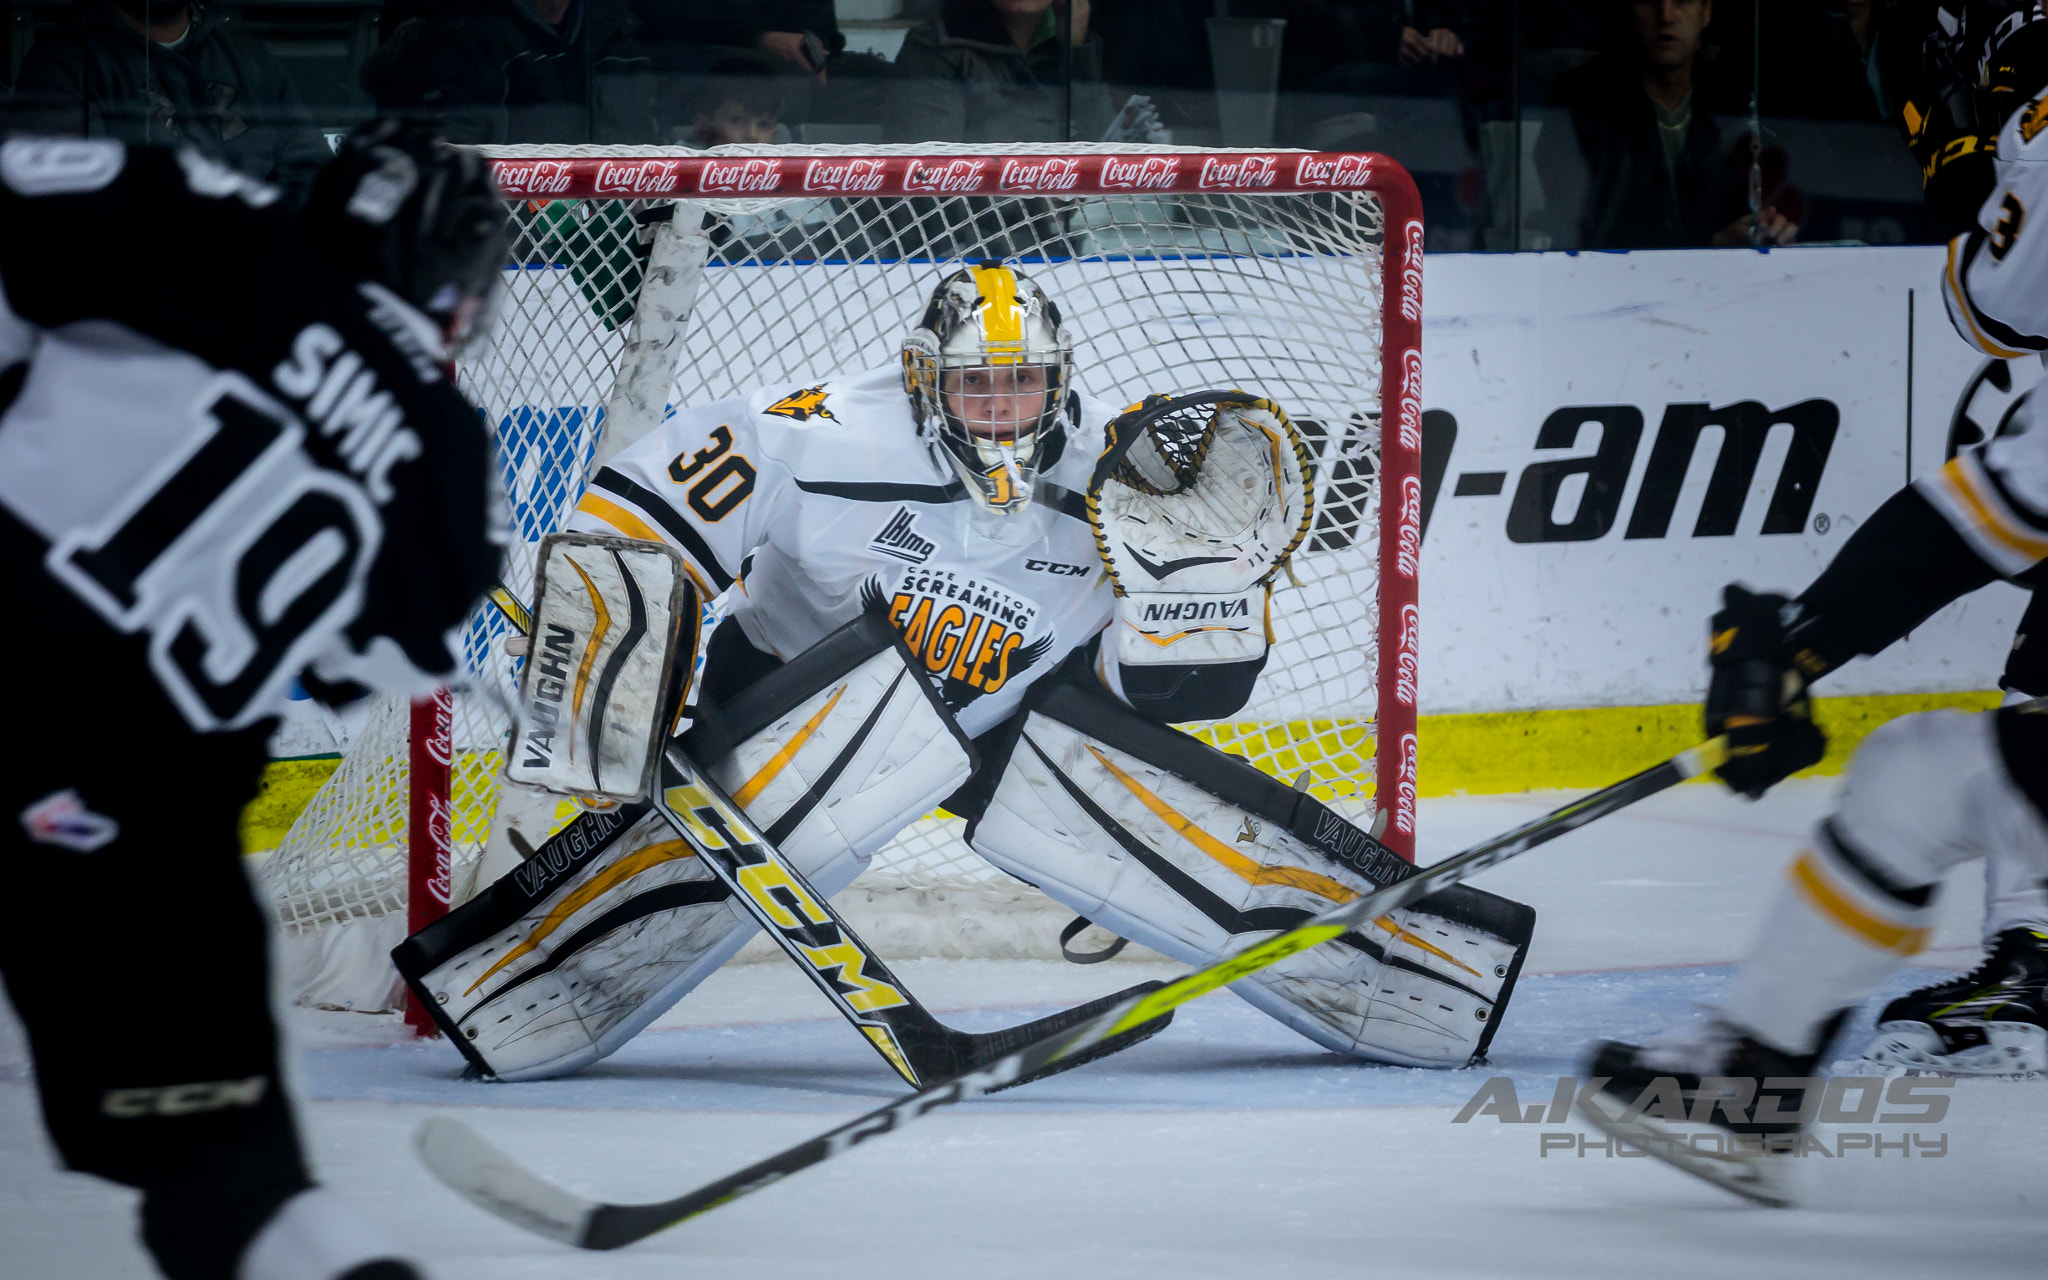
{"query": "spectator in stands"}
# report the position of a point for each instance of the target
(994, 71)
(1393, 47)
(508, 70)
(1657, 174)
(801, 33)
(738, 102)
(165, 71)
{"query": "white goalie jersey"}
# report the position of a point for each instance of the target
(815, 504)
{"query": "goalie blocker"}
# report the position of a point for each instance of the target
(1164, 840)
(614, 919)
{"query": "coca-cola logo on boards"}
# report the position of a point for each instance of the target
(846, 177)
(948, 176)
(738, 176)
(638, 177)
(1241, 174)
(1333, 171)
(1405, 658)
(533, 177)
(1052, 173)
(1143, 173)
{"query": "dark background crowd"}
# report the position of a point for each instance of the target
(1528, 124)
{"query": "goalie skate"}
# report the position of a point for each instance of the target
(1992, 1021)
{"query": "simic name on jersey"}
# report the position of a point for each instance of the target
(339, 393)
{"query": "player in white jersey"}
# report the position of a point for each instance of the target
(1923, 793)
(945, 496)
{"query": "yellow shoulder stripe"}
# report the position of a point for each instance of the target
(633, 526)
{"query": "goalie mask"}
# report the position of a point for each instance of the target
(987, 369)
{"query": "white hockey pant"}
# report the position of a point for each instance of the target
(1154, 858)
(1923, 793)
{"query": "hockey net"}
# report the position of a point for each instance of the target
(645, 280)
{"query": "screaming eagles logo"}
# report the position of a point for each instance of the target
(802, 405)
(2035, 119)
(968, 633)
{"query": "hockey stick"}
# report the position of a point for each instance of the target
(499, 1185)
(859, 984)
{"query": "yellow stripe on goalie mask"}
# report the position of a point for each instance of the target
(1002, 320)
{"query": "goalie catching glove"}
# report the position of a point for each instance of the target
(1196, 503)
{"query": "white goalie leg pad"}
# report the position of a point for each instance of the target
(578, 948)
(615, 918)
(833, 776)
(1144, 852)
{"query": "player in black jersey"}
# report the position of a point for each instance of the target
(230, 455)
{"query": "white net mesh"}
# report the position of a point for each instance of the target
(1277, 294)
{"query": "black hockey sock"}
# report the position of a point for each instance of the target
(198, 1226)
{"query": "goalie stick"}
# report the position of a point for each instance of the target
(501, 1186)
(802, 921)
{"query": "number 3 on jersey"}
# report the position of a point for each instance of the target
(722, 479)
(2011, 216)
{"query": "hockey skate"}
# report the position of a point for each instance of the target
(1697, 1100)
(1991, 1021)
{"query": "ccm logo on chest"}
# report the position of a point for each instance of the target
(1057, 569)
(340, 395)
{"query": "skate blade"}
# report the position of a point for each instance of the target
(1755, 1176)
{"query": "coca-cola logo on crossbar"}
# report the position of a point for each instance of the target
(534, 177)
(846, 177)
(950, 177)
(638, 177)
(1333, 171)
(1239, 173)
(1141, 173)
(736, 177)
(1051, 173)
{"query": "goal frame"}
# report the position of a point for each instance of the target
(674, 271)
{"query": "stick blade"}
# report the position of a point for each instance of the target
(495, 1183)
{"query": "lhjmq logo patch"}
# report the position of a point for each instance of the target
(62, 819)
(901, 539)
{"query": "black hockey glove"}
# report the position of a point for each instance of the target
(1757, 693)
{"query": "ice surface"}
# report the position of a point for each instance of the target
(1225, 1147)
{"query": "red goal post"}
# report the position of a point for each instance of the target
(1296, 274)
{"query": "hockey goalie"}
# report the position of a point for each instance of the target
(941, 591)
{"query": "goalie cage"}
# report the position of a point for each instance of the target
(643, 279)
